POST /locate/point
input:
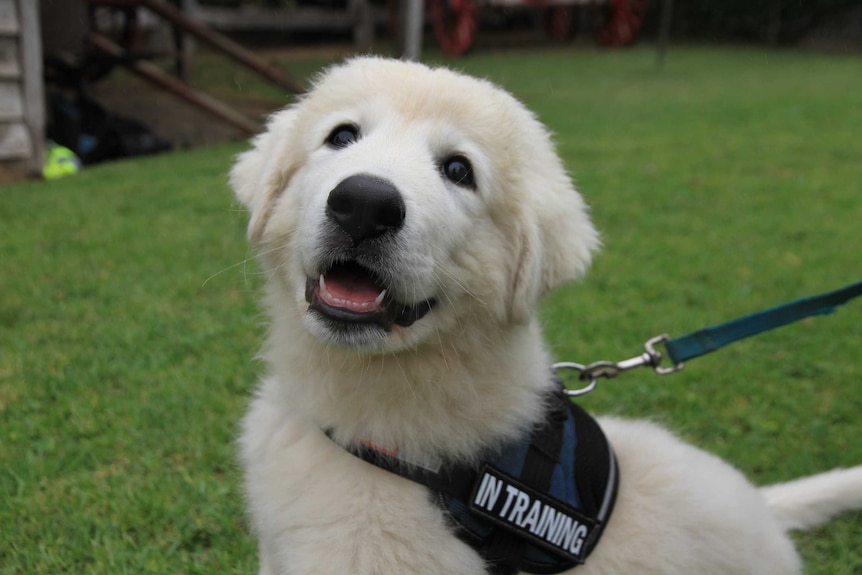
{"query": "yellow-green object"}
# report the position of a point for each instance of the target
(59, 162)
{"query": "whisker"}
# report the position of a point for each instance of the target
(457, 282)
(242, 262)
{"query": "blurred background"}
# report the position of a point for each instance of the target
(716, 142)
(65, 64)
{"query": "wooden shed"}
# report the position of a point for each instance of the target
(22, 102)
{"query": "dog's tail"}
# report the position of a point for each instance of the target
(811, 501)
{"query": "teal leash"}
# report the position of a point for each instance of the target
(709, 339)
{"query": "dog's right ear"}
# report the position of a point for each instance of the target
(260, 174)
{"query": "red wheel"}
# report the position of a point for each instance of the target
(619, 21)
(559, 22)
(455, 23)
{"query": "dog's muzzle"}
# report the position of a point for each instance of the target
(368, 211)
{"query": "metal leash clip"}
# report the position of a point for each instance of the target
(591, 373)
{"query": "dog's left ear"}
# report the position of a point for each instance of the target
(260, 174)
(556, 241)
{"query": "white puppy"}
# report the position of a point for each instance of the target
(409, 220)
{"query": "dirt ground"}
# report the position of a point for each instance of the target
(176, 121)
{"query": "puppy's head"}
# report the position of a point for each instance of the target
(395, 203)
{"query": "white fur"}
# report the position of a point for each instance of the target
(808, 502)
(472, 372)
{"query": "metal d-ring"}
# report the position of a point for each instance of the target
(581, 369)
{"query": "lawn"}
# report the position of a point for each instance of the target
(728, 182)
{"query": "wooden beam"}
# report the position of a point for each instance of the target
(157, 76)
(212, 38)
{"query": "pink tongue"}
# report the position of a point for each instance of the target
(347, 289)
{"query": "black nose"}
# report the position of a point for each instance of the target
(366, 207)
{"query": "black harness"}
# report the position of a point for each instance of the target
(539, 504)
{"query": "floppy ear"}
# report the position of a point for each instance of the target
(556, 241)
(260, 174)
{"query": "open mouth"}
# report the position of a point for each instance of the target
(351, 294)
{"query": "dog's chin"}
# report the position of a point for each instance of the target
(349, 307)
(342, 333)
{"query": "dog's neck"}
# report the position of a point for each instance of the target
(429, 403)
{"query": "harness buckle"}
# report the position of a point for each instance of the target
(591, 373)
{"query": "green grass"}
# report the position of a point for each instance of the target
(122, 371)
(728, 182)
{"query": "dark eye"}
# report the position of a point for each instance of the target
(458, 170)
(342, 136)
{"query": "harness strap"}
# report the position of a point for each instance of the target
(456, 480)
(538, 504)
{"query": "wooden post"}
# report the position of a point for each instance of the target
(773, 30)
(185, 45)
(22, 101)
(32, 86)
(414, 20)
(664, 32)
(363, 23)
